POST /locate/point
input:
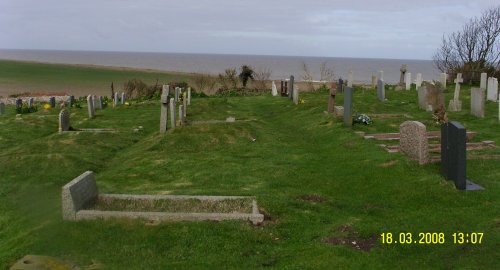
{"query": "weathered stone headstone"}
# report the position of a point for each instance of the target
(295, 95)
(291, 87)
(455, 104)
(453, 155)
(95, 100)
(418, 81)
(442, 78)
(52, 102)
(90, 106)
(380, 75)
(381, 90)
(331, 97)
(181, 114)
(274, 90)
(434, 96)
(19, 103)
(402, 75)
(164, 109)
(115, 99)
(422, 97)
(340, 86)
(184, 103)
(100, 103)
(350, 78)
(484, 78)
(189, 96)
(408, 81)
(123, 99)
(374, 81)
(31, 102)
(165, 86)
(477, 102)
(348, 106)
(172, 112)
(177, 93)
(492, 93)
(64, 120)
(2, 108)
(413, 141)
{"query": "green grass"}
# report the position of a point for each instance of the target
(299, 152)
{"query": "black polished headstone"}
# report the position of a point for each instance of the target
(348, 106)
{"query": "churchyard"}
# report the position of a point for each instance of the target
(325, 193)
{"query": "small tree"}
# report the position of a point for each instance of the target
(261, 77)
(246, 74)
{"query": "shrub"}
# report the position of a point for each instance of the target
(246, 74)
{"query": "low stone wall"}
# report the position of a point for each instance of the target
(78, 194)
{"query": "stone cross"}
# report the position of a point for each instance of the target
(348, 106)
(64, 122)
(484, 77)
(291, 87)
(477, 102)
(331, 97)
(184, 102)
(90, 106)
(443, 79)
(381, 75)
(189, 96)
(31, 102)
(123, 98)
(164, 109)
(381, 90)
(350, 78)
(413, 141)
(457, 81)
(418, 81)
(52, 102)
(19, 103)
(2, 108)
(408, 81)
(172, 112)
(274, 90)
(402, 75)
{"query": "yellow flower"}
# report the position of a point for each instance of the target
(127, 104)
(302, 101)
(46, 106)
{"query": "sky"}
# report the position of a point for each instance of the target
(394, 29)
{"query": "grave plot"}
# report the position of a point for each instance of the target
(82, 201)
(65, 125)
(228, 120)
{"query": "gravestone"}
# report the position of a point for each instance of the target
(19, 103)
(189, 96)
(418, 81)
(442, 78)
(164, 109)
(348, 106)
(115, 99)
(295, 95)
(434, 96)
(331, 97)
(381, 90)
(94, 99)
(350, 78)
(100, 103)
(181, 114)
(291, 87)
(184, 103)
(413, 141)
(90, 106)
(402, 75)
(422, 97)
(31, 102)
(71, 100)
(283, 89)
(167, 87)
(477, 102)
(340, 85)
(176, 94)
(484, 78)
(123, 98)
(453, 155)
(172, 112)
(52, 102)
(2, 108)
(492, 93)
(374, 81)
(408, 81)
(455, 104)
(274, 90)
(64, 120)
(380, 75)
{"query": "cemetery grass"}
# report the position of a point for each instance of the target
(312, 177)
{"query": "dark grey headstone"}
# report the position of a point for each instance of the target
(348, 106)
(100, 103)
(341, 85)
(381, 90)
(19, 103)
(71, 100)
(31, 102)
(454, 156)
(290, 87)
(52, 102)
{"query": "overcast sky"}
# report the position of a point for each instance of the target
(376, 29)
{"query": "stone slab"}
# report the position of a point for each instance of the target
(78, 194)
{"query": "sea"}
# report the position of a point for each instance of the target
(281, 67)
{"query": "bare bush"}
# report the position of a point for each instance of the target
(307, 77)
(326, 73)
(229, 80)
(138, 88)
(261, 77)
(204, 82)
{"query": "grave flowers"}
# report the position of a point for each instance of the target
(362, 119)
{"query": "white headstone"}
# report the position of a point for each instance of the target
(418, 81)
(90, 106)
(189, 96)
(484, 77)
(408, 80)
(443, 79)
(381, 75)
(274, 90)
(350, 78)
(492, 93)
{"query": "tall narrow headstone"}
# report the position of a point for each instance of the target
(381, 90)
(189, 96)
(442, 79)
(52, 102)
(374, 81)
(380, 75)
(296, 94)
(477, 102)
(454, 156)
(492, 93)
(31, 102)
(64, 122)
(340, 86)
(100, 103)
(408, 81)
(2, 108)
(123, 98)
(484, 78)
(418, 81)
(348, 106)
(291, 87)
(177, 92)
(115, 99)
(181, 114)
(274, 90)
(184, 102)
(172, 112)
(413, 141)
(422, 97)
(163, 109)
(331, 97)
(19, 103)
(90, 106)
(350, 78)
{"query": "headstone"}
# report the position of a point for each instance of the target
(338, 110)
(167, 87)
(442, 78)
(453, 155)
(90, 106)
(350, 78)
(123, 98)
(380, 75)
(348, 106)
(71, 100)
(31, 102)
(177, 92)
(100, 103)
(2, 108)
(477, 102)
(374, 81)
(331, 97)
(115, 99)
(340, 85)
(434, 96)
(484, 78)
(52, 102)
(184, 103)
(172, 112)
(274, 90)
(402, 75)
(413, 141)
(181, 114)
(295, 95)
(492, 93)
(164, 109)
(291, 87)
(189, 96)
(455, 104)
(19, 103)
(94, 99)
(418, 81)
(282, 89)
(381, 90)
(408, 81)
(64, 121)
(422, 97)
